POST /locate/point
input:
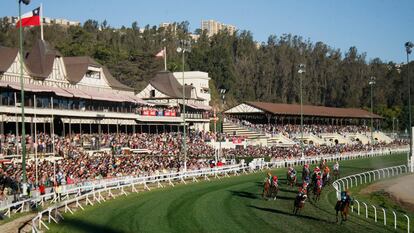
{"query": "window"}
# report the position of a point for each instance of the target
(93, 74)
(152, 94)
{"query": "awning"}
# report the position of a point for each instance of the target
(27, 119)
(199, 106)
(36, 88)
(104, 95)
(78, 93)
(105, 121)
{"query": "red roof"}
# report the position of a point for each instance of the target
(309, 110)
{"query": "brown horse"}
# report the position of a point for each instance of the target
(342, 207)
(317, 193)
(270, 191)
(299, 203)
(266, 189)
(291, 179)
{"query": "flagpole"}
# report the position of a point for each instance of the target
(165, 58)
(41, 21)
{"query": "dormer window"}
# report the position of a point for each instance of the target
(152, 94)
(93, 72)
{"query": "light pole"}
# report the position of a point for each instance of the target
(372, 83)
(23, 141)
(408, 48)
(301, 71)
(223, 92)
(185, 46)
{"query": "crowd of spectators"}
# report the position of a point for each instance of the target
(113, 154)
(292, 130)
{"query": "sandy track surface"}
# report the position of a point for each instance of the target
(401, 189)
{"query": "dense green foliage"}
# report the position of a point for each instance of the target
(227, 205)
(266, 72)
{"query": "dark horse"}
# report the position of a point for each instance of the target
(299, 203)
(343, 207)
(317, 192)
(270, 191)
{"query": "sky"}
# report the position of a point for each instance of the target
(378, 27)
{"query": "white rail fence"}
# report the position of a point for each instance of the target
(90, 192)
(368, 177)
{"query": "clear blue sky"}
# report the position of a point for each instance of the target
(378, 27)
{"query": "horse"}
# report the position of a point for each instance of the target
(343, 207)
(317, 192)
(336, 174)
(291, 179)
(299, 203)
(325, 179)
(305, 174)
(270, 190)
(274, 189)
(266, 188)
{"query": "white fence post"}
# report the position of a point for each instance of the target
(395, 220)
(385, 217)
(375, 212)
(366, 209)
(408, 223)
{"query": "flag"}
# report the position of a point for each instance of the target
(160, 53)
(31, 18)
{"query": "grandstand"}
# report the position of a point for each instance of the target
(322, 125)
(77, 94)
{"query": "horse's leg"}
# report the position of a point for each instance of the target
(337, 216)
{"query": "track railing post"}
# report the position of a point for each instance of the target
(408, 223)
(375, 212)
(366, 209)
(385, 216)
(395, 219)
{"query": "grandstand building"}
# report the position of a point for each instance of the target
(248, 115)
(76, 94)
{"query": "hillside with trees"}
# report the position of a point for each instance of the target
(265, 72)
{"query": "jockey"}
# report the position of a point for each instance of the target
(336, 166)
(345, 197)
(269, 178)
(326, 171)
(317, 170)
(275, 180)
(305, 185)
(302, 191)
(319, 182)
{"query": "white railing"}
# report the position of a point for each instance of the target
(97, 187)
(67, 190)
(94, 193)
(368, 177)
(336, 157)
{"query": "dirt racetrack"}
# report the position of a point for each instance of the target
(401, 189)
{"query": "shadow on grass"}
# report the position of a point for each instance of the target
(88, 227)
(244, 194)
(288, 190)
(289, 214)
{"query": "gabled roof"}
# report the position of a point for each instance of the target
(310, 110)
(166, 83)
(115, 84)
(76, 67)
(40, 59)
(7, 56)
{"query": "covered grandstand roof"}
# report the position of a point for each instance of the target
(294, 110)
(7, 57)
(40, 59)
(165, 82)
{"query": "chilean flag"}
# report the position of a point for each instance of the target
(31, 18)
